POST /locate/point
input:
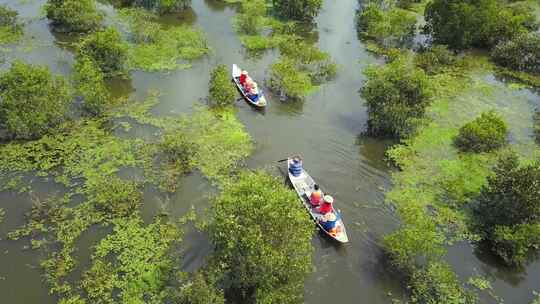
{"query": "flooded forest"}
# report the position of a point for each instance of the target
(171, 151)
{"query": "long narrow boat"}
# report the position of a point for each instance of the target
(304, 186)
(260, 102)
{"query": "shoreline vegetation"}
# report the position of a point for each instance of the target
(86, 149)
(444, 88)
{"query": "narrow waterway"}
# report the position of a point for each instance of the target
(326, 129)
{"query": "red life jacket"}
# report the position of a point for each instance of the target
(316, 198)
(243, 79)
(325, 208)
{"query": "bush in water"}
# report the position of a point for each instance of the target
(221, 89)
(436, 59)
(389, 27)
(33, 101)
(286, 78)
(521, 53)
(507, 213)
(73, 15)
(89, 84)
(397, 95)
(486, 133)
(107, 49)
(463, 24)
(251, 20)
(199, 291)
(159, 6)
(297, 9)
(262, 254)
(10, 27)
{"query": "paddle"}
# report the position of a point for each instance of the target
(282, 160)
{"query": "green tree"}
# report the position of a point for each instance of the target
(199, 291)
(463, 24)
(160, 6)
(286, 78)
(222, 91)
(521, 53)
(74, 15)
(435, 59)
(390, 27)
(10, 26)
(107, 49)
(251, 20)
(508, 209)
(32, 100)
(486, 133)
(297, 9)
(396, 95)
(262, 240)
(89, 84)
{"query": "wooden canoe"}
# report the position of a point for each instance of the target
(260, 103)
(304, 186)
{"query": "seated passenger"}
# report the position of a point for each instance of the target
(326, 207)
(316, 196)
(248, 85)
(328, 222)
(296, 166)
(253, 94)
(243, 77)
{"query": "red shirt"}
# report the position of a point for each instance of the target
(243, 79)
(325, 208)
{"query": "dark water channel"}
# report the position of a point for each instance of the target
(325, 129)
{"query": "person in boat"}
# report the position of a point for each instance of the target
(243, 77)
(328, 222)
(296, 166)
(316, 196)
(326, 206)
(248, 85)
(254, 92)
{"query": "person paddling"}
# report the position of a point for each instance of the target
(296, 166)
(316, 196)
(326, 207)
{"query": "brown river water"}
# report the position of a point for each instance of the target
(326, 129)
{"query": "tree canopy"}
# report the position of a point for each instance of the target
(90, 85)
(508, 210)
(32, 100)
(486, 133)
(297, 9)
(522, 53)
(262, 240)
(462, 24)
(74, 15)
(396, 95)
(10, 26)
(107, 49)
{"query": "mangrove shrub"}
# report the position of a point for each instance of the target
(297, 9)
(73, 15)
(159, 6)
(396, 95)
(107, 49)
(435, 59)
(89, 84)
(507, 214)
(199, 291)
(222, 92)
(10, 26)
(251, 20)
(463, 24)
(32, 100)
(486, 133)
(286, 78)
(522, 53)
(390, 26)
(262, 240)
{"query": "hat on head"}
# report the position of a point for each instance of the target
(328, 199)
(244, 72)
(331, 216)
